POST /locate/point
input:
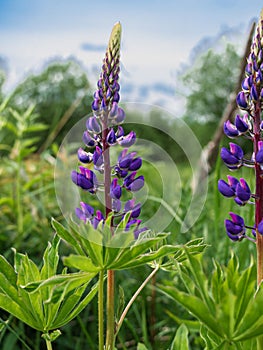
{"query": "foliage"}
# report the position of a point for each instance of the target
(61, 96)
(211, 80)
(27, 183)
(45, 306)
(226, 304)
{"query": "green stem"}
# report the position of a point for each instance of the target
(49, 345)
(260, 343)
(18, 196)
(101, 310)
(110, 312)
(125, 311)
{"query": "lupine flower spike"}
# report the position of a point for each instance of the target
(248, 124)
(103, 132)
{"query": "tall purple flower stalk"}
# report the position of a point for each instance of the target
(104, 131)
(249, 124)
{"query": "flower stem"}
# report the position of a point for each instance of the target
(110, 312)
(101, 310)
(49, 345)
(259, 195)
(108, 209)
(128, 306)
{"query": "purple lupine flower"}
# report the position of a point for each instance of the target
(115, 189)
(233, 157)
(114, 110)
(88, 140)
(85, 213)
(116, 205)
(98, 159)
(250, 99)
(242, 100)
(120, 132)
(228, 189)
(235, 228)
(120, 116)
(104, 131)
(82, 181)
(97, 219)
(128, 140)
(111, 137)
(127, 161)
(241, 123)
(133, 184)
(243, 192)
(135, 209)
(120, 172)
(254, 93)
(230, 129)
(247, 83)
(234, 188)
(84, 157)
(136, 163)
(93, 125)
(135, 224)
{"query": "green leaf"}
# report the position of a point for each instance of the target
(19, 311)
(27, 272)
(81, 263)
(252, 323)
(193, 326)
(8, 288)
(180, 341)
(132, 256)
(206, 336)
(36, 127)
(66, 236)
(200, 279)
(67, 305)
(78, 279)
(7, 270)
(65, 315)
(196, 306)
(91, 242)
(50, 259)
(245, 283)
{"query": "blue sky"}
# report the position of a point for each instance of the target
(158, 35)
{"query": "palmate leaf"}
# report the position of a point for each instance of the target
(27, 272)
(105, 251)
(41, 298)
(225, 304)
